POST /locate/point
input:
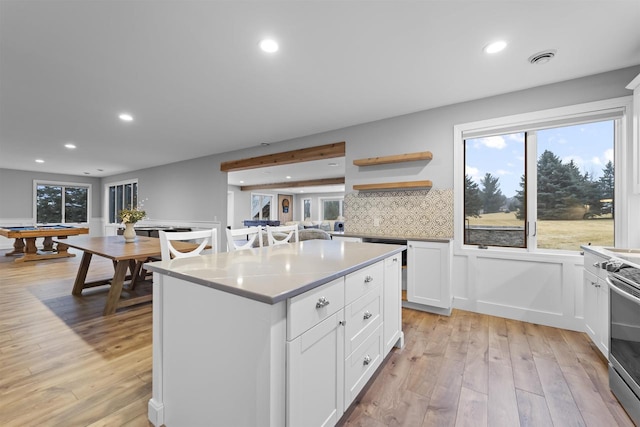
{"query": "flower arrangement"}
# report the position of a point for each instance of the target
(131, 216)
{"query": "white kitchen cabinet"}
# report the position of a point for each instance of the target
(315, 355)
(316, 374)
(596, 302)
(296, 361)
(392, 329)
(429, 276)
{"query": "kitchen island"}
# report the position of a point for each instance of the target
(285, 335)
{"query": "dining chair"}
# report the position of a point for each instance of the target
(209, 240)
(249, 234)
(291, 231)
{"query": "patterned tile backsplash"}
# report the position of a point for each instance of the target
(420, 213)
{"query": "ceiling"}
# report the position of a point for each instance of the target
(196, 83)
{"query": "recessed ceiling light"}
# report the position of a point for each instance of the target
(333, 164)
(241, 182)
(126, 117)
(495, 47)
(269, 45)
(39, 161)
(288, 177)
(70, 146)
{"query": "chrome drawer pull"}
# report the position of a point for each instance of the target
(367, 315)
(366, 360)
(322, 302)
(368, 279)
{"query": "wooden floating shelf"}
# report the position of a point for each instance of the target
(398, 158)
(393, 186)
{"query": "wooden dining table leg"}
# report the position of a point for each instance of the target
(135, 273)
(116, 287)
(81, 277)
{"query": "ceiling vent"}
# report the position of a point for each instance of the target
(542, 57)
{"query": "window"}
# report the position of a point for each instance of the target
(261, 206)
(331, 209)
(61, 203)
(549, 184)
(306, 209)
(121, 195)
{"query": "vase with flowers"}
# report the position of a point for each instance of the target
(129, 217)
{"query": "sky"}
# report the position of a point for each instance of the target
(590, 145)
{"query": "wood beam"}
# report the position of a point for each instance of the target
(294, 184)
(295, 156)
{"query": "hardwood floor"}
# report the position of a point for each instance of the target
(63, 364)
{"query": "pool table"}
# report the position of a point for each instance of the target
(48, 232)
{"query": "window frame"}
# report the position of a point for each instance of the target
(271, 205)
(63, 184)
(570, 115)
(310, 208)
(107, 186)
(331, 199)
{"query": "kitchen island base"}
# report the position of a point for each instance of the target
(225, 359)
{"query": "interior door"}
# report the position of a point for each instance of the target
(285, 208)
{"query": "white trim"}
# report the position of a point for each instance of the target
(105, 203)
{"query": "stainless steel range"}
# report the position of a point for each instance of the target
(624, 323)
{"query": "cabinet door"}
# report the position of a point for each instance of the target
(315, 385)
(392, 313)
(603, 317)
(429, 273)
(590, 291)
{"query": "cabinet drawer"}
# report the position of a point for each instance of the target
(362, 317)
(308, 309)
(361, 365)
(592, 264)
(362, 281)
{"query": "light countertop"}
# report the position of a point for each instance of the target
(275, 273)
(629, 256)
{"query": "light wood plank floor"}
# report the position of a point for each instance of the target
(63, 364)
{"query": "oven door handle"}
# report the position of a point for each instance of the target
(622, 293)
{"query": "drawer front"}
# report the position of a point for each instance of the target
(307, 310)
(362, 281)
(361, 365)
(591, 264)
(362, 317)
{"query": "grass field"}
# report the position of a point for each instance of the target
(560, 234)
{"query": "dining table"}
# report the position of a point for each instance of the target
(127, 257)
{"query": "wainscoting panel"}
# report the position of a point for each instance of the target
(539, 289)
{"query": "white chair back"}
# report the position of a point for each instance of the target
(291, 232)
(168, 251)
(249, 234)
